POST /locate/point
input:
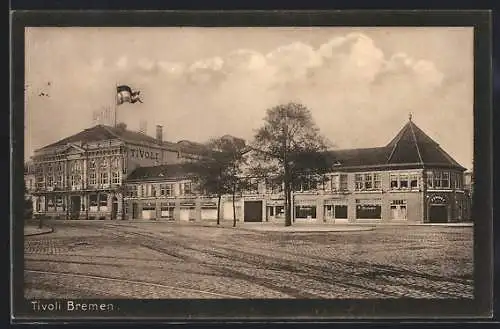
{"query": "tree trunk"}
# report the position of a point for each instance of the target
(288, 205)
(234, 208)
(218, 209)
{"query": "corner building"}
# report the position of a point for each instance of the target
(411, 179)
(82, 176)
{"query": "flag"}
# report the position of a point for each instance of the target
(125, 94)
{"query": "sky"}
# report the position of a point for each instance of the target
(359, 83)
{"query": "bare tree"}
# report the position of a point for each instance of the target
(218, 172)
(290, 149)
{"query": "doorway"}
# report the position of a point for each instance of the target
(438, 214)
(114, 208)
(253, 211)
(135, 210)
(75, 206)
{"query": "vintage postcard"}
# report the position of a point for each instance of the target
(217, 164)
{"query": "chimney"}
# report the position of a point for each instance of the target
(159, 133)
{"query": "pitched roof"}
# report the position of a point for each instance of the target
(162, 172)
(411, 146)
(359, 157)
(103, 132)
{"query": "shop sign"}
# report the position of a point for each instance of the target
(438, 199)
(187, 204)
(143, 154)
(210, 204)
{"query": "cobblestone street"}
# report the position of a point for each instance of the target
(170, 260)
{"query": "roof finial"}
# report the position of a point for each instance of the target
(409, 116)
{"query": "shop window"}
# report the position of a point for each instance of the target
(50, 204)
(103, 200)
(341, 211)
(305, 212)
(368, 209)
(280, 212)
(167, 211)
(60, 203)
(93, 200)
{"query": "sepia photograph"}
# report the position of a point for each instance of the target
(249, 162)
(231, 164)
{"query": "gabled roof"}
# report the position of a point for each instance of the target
(162, 172)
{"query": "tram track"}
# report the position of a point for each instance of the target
(134, 282)
(285, 269)
(346, 277)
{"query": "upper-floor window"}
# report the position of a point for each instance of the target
(104, 177)
(457, 179)
(115, 178)
(273, 186)
(252, 185)
(166, 189)
(438, 179)
(367, 181)
(132, 191)
(115, 162)
(404, 180)
(187, 188)
(103, 164)
(92, 178)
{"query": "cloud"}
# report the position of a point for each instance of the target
(349, 83)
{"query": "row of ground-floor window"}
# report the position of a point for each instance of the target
(92, 205)
(411, 207)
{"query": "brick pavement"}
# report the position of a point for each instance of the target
(387, 263)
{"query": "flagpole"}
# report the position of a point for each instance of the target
(116, 101)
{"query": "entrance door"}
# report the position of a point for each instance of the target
(135, 211)
(438, 214)
(75, 206)
(114, 208)
(253, 211)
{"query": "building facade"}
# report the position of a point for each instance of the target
(411, 179)
(82, 176)
(114, 173)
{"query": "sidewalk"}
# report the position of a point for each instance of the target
(34, 230)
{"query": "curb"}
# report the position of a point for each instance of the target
(50, 230)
